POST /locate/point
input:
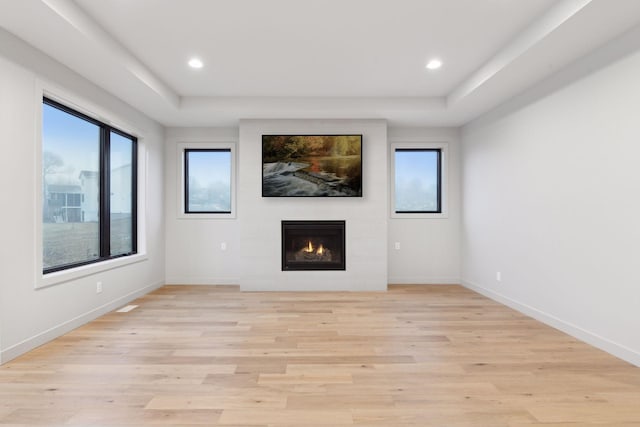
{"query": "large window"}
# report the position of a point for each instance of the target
(88, 189)
(418, 180)
(207, 181)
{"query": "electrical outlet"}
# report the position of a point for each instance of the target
(99, 288)
(397, 246)
(498, 276)
(223, 246)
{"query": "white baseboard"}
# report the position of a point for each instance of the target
(61, 329)
(257, 286)
(202, 280)
(423, 280)
(618, 350)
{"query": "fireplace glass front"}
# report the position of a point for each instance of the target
(313, 245)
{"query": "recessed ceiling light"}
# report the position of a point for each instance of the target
(434, 64)
(195, 63)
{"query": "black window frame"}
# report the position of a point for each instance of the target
(105, 189)
(186, 179)
(439, 179)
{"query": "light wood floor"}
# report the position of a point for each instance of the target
(414, 356)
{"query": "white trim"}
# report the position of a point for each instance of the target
(423, 280)
(214, 281)
(444, 184)
(181, 147)
(325, 286)
(50, 279)
(618, 350)
(65, 327)
(44, 88)
(37, 140)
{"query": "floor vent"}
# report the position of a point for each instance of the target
(126, 309)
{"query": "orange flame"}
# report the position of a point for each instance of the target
(309, 247)
(320, 250)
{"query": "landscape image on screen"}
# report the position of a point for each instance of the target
(312, 165)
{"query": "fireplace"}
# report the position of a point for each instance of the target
(313, 245)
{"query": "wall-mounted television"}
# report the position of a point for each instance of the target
(311, 165)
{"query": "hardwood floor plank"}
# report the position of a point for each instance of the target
(217, 402)
(288, 416)
(37, 416)
(311, 401)
(144, 417)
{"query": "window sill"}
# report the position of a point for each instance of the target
(207, 216)
(442, 215)
(50, 279)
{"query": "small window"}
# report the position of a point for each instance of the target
(418, 184)
(85, 157)
(207, 181)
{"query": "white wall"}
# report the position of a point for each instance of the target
(551, 193)
(429, 247)
(366, 217)
(29, 316)
(193, 251)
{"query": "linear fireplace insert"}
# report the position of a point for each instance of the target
(313, 245)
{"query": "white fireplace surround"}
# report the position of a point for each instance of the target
(366, 217)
